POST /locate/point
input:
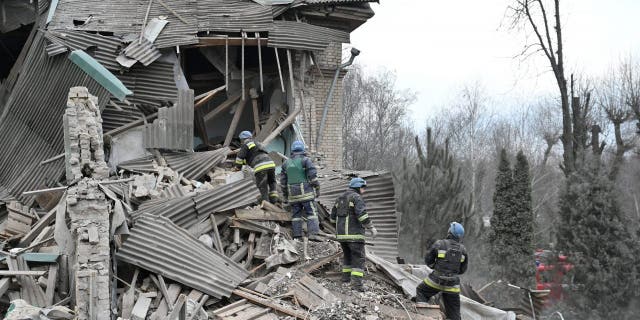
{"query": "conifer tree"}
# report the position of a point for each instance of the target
(524, 269)
(502, 219)
(431, 194)
(593, 234)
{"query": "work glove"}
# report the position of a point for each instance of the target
(374, 232)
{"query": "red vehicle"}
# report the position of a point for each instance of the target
(553, 273)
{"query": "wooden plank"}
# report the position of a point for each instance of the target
(234, 123)
(5, 273)
(259, 214)
(232, 41)
(4, 285)
(250, 313)
(128, 298)
(264, 302)
(172, 292)
(51, 284)
(49, 218)
(252, 243)
(208, 96)
(222, 107)
(178, 308)
(234, 310)
(141, 308)
(37, 257)
(317, 289)
(216, 234)
(198, 306)
(35, 192)
(230, 306)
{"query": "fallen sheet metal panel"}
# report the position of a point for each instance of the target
(228, 196)
(154, 82)
(103, 48)
(190, 210)
(304, 36)
(29, 120)
(158, 245)
(194, 165)
(144, 52)
(173, 129)
(381, 206)
(113, 117)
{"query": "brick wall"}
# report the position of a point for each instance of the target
(318, 88)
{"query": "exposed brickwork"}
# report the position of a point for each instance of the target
(87, 206)
(318, 88)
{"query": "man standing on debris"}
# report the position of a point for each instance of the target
(448, 259)
(264, 169)
(300, 188)
(350, 216)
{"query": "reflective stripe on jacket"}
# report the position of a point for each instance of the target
(350, 216)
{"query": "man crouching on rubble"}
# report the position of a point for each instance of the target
(448, 259)
(264, 169)
(350, 216)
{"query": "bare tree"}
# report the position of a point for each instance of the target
(612, 97)
(548, 34)
(376, 128)
(630, 78)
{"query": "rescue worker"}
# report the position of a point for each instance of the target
(350, 216)
(300, 188)
(448, 259)
(264, 169)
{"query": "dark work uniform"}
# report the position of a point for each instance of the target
(300, 182)
(448, 259)
(264, 169)
(350, 216)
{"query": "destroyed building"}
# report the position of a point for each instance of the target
(118, 126)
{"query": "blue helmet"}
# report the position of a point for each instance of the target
(297, 146)
(357, 183)
(456, 230)
(245, 135)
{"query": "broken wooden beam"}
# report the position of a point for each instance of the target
(264, 302)
(202, 99)
(234, 123)
(222, 107)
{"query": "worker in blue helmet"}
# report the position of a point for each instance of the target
(448, 259)
(300, 187)
(349, 213)
(253, 154)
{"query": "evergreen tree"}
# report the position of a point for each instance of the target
(430, 196)
(524, 269)
(502, 219)
(593, 233)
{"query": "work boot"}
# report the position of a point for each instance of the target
(357, 284)
(346, 277)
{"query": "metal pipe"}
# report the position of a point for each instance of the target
(354, 53)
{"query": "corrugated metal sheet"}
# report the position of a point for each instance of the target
(192, 209)
(304, 36)
(194, 165)
(102, 48)
(113, 118)
(173, 129)
(233, 16)
(158, 245)
(55, 48)
(381, 206)
(144, 52)
(229, 196)
(154, 82)
(176, 32)
(31, 124)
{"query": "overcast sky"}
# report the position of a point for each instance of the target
(437, 46)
